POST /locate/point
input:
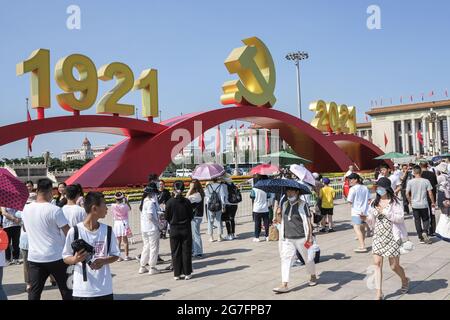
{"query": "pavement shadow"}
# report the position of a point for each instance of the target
(12, 289)
(219, 271)
(338, 278)
(246, 235)
(202, 264)
(416, 287)
(226, 252)
(140, 296)
(335, 256)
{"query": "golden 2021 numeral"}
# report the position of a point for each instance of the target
(333, 118)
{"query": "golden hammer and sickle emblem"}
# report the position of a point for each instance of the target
(254, 65)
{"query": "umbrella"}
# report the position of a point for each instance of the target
(208, 171)
(302, 173)
(279, 185)
(392, 155)
(13, 193)
(286, 158)
(265, 169)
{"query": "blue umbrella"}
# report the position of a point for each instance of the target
(280, 185)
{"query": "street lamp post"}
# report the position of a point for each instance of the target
(297, 57)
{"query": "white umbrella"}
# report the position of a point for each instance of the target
(302, 173)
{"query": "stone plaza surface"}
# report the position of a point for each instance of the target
(242, 269)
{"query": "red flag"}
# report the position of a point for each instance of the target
(432, 93)
(267, 142)
(385, 140)
(218, 141)
(420, 137)
(242, 125)
(367, 118)
(201, 142)
(30, 139)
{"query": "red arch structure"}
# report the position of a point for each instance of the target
(148, 146)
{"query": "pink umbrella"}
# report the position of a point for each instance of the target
(208, 171)
(303, 174)
(265, 169)
(13, 192)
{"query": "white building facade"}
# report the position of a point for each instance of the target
(414, 129)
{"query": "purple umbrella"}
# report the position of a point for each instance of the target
(208, 171)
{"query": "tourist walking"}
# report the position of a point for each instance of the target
(295, 235)
(12, 225)
(43, 223)
(327, 195)
(179, 214)
(150, 230)
(196, 196)
(430, 176)
(405, 176)
(73, 212)
(120, 211)
(232, 199)
(261, 209)
(416, 191)
(358, 197)
(387, 220)
(215, 198)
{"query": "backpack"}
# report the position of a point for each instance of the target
(234, 194)
(214, 202)
(76, 236)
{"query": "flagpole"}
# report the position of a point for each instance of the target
(235, 149)
(28, 149)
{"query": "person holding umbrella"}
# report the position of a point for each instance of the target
(295, 235)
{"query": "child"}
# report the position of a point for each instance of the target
(120, 211)
(326, 196)
(92, 278)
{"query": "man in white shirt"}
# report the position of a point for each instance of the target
(43, 223)
(358, 197)
(73, 212)
(97, 283)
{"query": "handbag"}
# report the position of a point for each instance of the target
(273, 233)
(406, 247)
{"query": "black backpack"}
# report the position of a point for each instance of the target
(214, 202)
(234, 194)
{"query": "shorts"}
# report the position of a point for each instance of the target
(326, 211)
(357, 220)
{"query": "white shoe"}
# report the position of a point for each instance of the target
(235, 236)
(267, 239)
(143, 270)
(219, 239)
(154, 271)
(230, 237)
(188, 277)
(211, 239)
(255, 239)
(176, 278)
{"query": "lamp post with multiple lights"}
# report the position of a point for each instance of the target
(297, 57)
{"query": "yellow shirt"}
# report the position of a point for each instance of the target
(327, 195)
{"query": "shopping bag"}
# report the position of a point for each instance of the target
(443, 228)
(273, 233)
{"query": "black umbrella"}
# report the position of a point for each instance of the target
(280, 185)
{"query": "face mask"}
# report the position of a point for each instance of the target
(381, 191)
(292, 199)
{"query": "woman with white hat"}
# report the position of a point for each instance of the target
(120, 211)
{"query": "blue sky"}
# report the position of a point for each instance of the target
(187, 41)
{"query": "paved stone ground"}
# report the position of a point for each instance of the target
(242, 269)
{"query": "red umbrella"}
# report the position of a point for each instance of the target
(13, 192)
(265, 169)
